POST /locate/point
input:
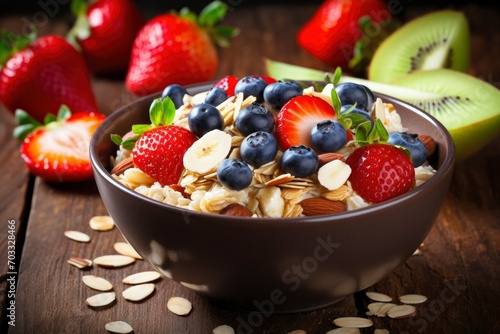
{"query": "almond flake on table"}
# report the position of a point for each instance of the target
(77, 236)
(412, 299)
(113, 261)
(223, 329)
(378, 297)
(120, 327)
(138, 292)
(80, 262)
(353, 322)
(344, 330)
(101, 299)
(124, 248)
(402, 311)
(101, 223)
(97, 283)
(179, 305)
(142, 277)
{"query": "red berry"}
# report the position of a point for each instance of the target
(380, 172)
(159, 152)
(227, 83)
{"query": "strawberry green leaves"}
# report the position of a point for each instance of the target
(161, 113)
(11, 43)
(27, 124)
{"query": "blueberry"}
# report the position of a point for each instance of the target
(412, 143)
(300, 161)
(215, 96)
(279, 93)
(350, 93)
(328, 136)
(251, 85)
(254, 117)
(204, 118)
(234, 174)
(259, 148)
(176, 93)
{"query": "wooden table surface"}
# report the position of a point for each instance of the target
(458, 268)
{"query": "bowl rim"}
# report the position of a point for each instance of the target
(447, 167)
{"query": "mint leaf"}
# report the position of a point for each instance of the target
(139, 129)
(337, 105)
(162, 111)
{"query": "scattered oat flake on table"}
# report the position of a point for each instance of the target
(402, 311)
(101, 299)
(124, 248)
(179, 305)
(113, 261)
(77, 236)
(344, 330)
(353, 322)
(223, 329)
(138, 292)
(378, 297)
(412, 299)
(119, 327)
(97, 283)
(80, 262)
(101, 223)
(142, 277)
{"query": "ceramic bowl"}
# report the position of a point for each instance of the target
(274, 265)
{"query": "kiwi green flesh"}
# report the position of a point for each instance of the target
(436, 40)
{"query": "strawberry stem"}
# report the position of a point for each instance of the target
(10, 44)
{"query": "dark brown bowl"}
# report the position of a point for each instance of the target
(274, 265)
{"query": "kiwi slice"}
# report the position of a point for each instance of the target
(436, 40)
(467, 106)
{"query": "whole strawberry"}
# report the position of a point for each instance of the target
(104, 31)
(380, 172)
(39, 75)
(332, 33)
(177, 48)
(59, 150)
(158, 148)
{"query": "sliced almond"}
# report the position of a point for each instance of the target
(120, 327)
(138, 292)
(297, 331)
(113, 261)
(412, 299)
(402, 311)
(380, 309)
(378, 297)
(179, 305)
(283, 178)
(101, 223)
(124, 248)
(77, 236)
(97, 283)
(223, 329)
(325, 158)
(353, 322)
(80, 262)
(142, 277)
(122, 166)
(101, 299)
(343, 330)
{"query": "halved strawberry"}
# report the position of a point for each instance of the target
(59, 150)
(297, 117)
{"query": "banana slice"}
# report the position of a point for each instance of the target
(206, 153)
(334, 174)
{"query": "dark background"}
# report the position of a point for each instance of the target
(153, 7)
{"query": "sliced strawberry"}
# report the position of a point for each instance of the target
(297, 117)
(159, 152)
(59, 151)
(380, 172)
(227, 83)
